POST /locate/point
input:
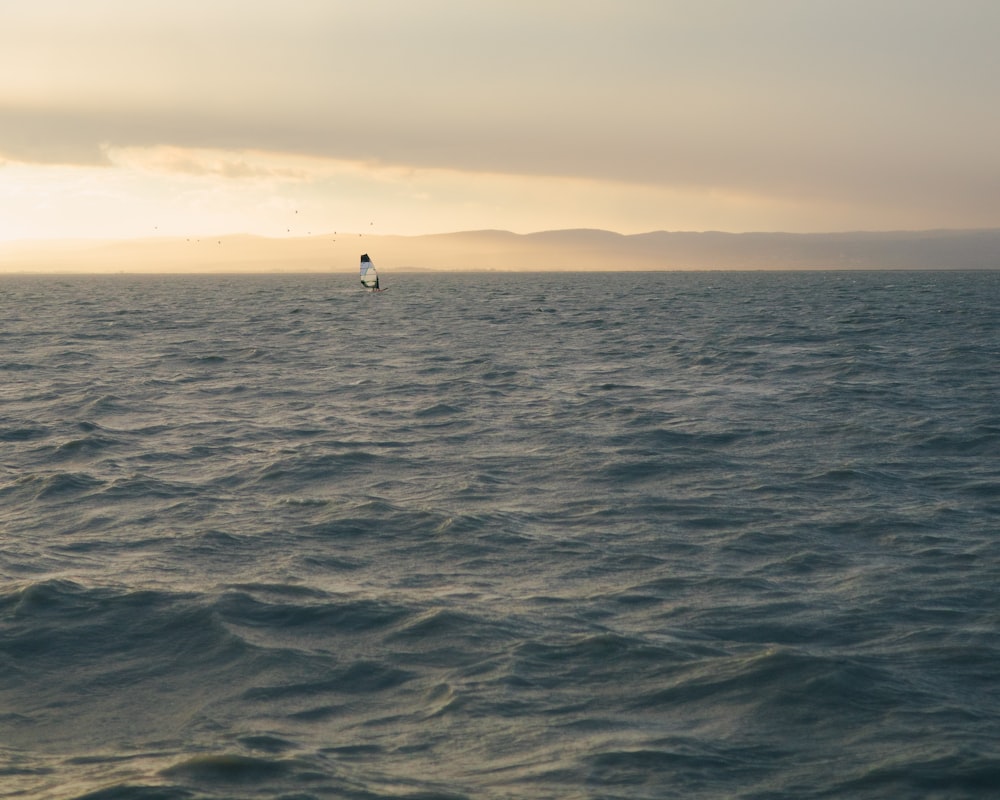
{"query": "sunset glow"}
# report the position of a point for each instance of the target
(294, 118)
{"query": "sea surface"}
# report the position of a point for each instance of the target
(498, 535)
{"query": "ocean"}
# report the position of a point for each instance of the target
(500, 535)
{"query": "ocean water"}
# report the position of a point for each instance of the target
(670, 535)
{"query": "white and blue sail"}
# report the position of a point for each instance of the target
(369, 276)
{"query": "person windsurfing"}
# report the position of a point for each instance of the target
(369, 276)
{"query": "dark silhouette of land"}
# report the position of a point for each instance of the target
(502, 250)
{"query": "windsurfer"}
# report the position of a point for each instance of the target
(369, 277)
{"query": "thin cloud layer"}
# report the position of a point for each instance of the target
(808, 110)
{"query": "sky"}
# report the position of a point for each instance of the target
(126, 119)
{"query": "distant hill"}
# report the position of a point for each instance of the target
(502, 250)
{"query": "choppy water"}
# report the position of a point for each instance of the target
(500, 536)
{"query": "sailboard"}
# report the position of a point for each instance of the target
(369, 275)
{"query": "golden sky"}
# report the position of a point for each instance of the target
(121, 118)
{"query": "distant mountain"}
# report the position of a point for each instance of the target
(583, 249)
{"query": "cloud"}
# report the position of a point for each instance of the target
(814, 108)
(234, 165)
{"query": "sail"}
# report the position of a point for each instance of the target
(369, 277)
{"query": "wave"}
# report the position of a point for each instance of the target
(726, 535)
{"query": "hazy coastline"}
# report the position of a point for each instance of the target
(581, 249)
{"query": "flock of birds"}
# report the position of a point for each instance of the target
(287, 230)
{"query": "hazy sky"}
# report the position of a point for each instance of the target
(134, 118)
